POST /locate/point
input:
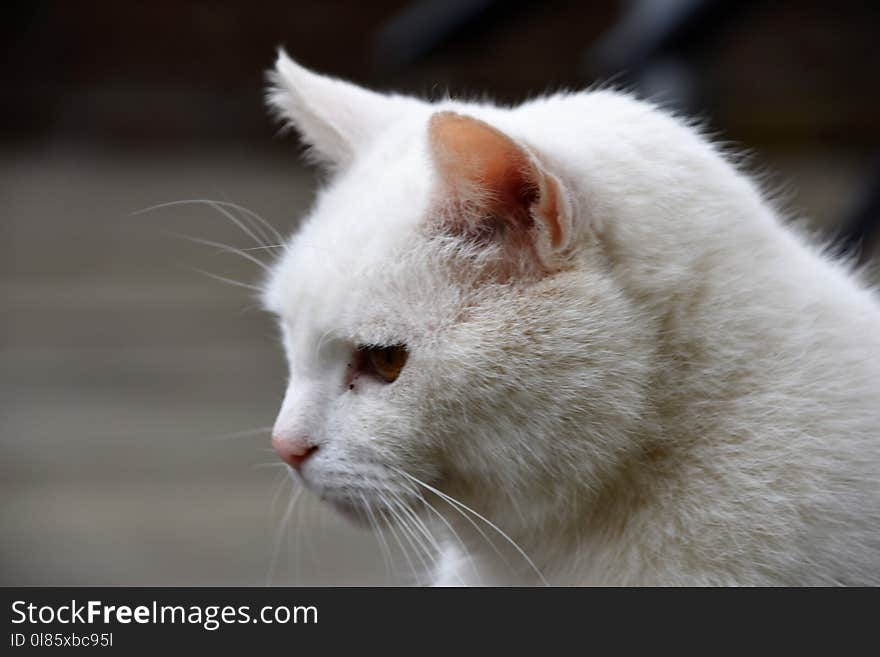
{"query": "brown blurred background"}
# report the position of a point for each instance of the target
(123, 372)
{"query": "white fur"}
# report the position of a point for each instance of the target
(694, 400)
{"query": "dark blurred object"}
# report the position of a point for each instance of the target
(427, 25)
(161, 73)
(152, 73)
(862, 225)
(659, 47)
(421, 27)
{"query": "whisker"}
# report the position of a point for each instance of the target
(278, 488)
(417, 522)
(478, 529)
(380, 538)
(263, 248)
(256, 221)
(454, 533)
(223, 279)
(279, 536)
(297, 524)
(253, 225)
(214, 204)
(501, 533)
(307, 519)
(391, 528)
(414, 540)
(273, 232)
(224, 248)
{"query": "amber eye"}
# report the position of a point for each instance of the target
(385, 362)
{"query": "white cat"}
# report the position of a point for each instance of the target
(571, 343)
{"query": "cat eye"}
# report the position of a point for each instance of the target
(385, 362)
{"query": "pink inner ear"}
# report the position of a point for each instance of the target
(482, 165)
(475, 156)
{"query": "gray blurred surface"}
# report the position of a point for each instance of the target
(121, 372)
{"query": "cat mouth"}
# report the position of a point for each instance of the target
(370, 495)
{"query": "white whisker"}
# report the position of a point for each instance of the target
(501, 533)
(273, 232)
(279, 536)
(214, 204)
(418, 545)
(380, 538)
(477, 528)
(417, 522)
(263, 248)
(283, 479)
(223, 279)
(452, 531)
(224, 248)
(391, 528)
(308, 520)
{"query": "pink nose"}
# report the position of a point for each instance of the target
(293, 451)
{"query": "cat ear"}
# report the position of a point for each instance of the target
(498, 188)
(335, 118)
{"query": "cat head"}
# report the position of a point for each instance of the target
(448, 309)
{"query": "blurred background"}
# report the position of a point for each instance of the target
(136, 394)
